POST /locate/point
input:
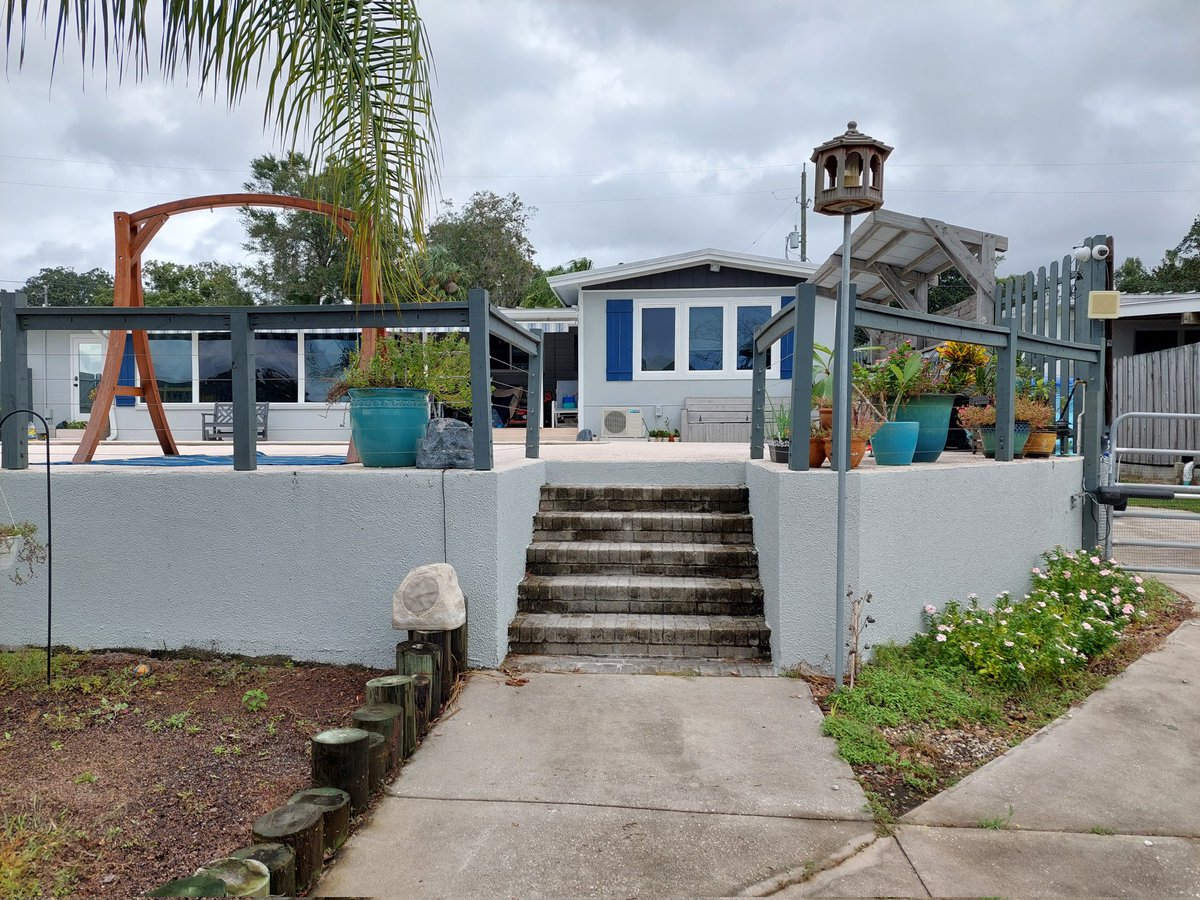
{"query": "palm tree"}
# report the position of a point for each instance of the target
(353, 74)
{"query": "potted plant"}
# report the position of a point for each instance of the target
(780, 441)
(816, 445)
(390, 394)
(674, 436)
(864, 422)
(1033, 406)
(950, 374)
(887, 384)
(822, 378)
(20, 550)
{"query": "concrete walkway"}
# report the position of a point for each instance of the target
(656, 786)
(610, 785)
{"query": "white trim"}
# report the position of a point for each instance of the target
(681, 306)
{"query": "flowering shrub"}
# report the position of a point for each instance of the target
(1076, 608)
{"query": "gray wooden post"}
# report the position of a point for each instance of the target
(758, 402)
(14, 383)
(478, 316)
(802, 353)
(535, 404)
(245, 425)
(1006, 379)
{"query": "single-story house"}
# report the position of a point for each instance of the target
(1152, 322)
(654, 333)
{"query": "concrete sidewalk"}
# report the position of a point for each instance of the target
(1105, 802)
(610, 785)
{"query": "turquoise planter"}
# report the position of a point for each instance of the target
(894, 443)
(932, 413)
(1020, 436)
(388, 424)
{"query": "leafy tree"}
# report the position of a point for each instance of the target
(203, 284)
(300, 259)
(540, 294)
(63, 286)
(1178, 271)
(951, 288)
(353, 76)
(488, 240)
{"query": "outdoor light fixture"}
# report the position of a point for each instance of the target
(1081, 254)
(851, 182)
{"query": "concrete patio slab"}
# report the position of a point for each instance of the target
(881, 870)
(737, 746)
(1125, 760)
(979, 863)
(439, 848)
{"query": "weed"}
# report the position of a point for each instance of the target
(27, 668)
(60, 722)
(87, 778)
(29, 843)
(1101, 829)
(894, 691)
(272, 723)
(153, 725)
(998, 823)
(858, 742)
(177, 720)
(884, 820)
(230, 672)
(56, 745)
(112, 832)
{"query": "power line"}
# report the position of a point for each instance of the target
(786, 207)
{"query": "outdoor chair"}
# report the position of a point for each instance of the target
(218, 424)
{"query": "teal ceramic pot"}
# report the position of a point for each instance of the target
(895, 443)
(1020, 436)
(932, 413)
(388, 424)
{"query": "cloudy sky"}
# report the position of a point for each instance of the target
(640, 128)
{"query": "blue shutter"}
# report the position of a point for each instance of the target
(787, 345)
(128, 366)
(620, 340)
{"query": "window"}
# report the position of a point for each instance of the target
(325, 356)
(276, 368)
(216, 368)
(749, 320)
(706, 341)
(658, 339)
(172, 358)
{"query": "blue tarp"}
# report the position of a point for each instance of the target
(200, 459)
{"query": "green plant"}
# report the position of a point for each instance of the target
(28, 842)
(780, 418)
(822, 372)
(440, 364)
(179, 719)
(86, 778)
(957, 364)
(976, 416)
(1101, 829)
(1037, 413)
(255, 699)
(74, 425)
(998, 823)
(858, 742)
(901, 374)
(29, 550)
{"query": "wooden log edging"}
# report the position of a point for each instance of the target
(301, 827)
(398, 691)
(340, 759)
(280, 861)
(242, 877)
(334, 804)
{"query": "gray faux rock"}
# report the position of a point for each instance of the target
(584, 435)
(429, 599)
(448, 444)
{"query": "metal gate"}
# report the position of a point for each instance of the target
(1159, 535)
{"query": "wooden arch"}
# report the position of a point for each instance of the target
(133, 232)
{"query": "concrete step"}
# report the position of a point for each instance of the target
(718, 498)
(639, 665)
(642, 594)
(642, 558)
(656, 526)
(609, 634)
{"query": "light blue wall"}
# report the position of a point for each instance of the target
(596, 392)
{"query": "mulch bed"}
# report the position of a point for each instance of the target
(147, 778)
(953, 753)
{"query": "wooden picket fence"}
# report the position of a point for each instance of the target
(1166, 381)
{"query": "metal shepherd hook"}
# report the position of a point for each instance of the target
(49, 533)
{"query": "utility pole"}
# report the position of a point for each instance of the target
(804, 213)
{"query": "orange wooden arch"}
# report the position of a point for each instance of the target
(133, 232)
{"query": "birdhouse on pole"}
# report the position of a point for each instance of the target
(851, 173)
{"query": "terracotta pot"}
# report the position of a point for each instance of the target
(826, 413)
(1041, 443)
(816, 452)
(858, 449)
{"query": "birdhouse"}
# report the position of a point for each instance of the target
(851, 173)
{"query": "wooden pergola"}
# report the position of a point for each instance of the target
(133, 233)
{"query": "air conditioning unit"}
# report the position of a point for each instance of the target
(622, 422)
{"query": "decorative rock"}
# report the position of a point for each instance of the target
(585, 434)
(280, 862)
(242, 877)
(196, 886)
(429, 599)
(448, 444)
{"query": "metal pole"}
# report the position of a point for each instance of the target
(479, 318)
(841, 445)
(49, 536)
(534, 404)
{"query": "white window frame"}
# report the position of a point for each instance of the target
(682, 309)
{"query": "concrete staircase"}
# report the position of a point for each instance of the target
(642, 579)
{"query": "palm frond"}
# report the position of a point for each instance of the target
(351, 78)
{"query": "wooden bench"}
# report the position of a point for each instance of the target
(218, 424)
(723, 419)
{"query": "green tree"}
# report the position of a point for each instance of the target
(488, 240)
(951, 288)
(540, 294)
(1178, 271)
(354, 76)
(63, 286)
(299, 259)
(203, 284)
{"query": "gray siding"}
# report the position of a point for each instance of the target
(699, 277)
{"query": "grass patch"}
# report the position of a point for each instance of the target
(997, 823)
(1180, 503)
(860, 743)
(29, 843)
